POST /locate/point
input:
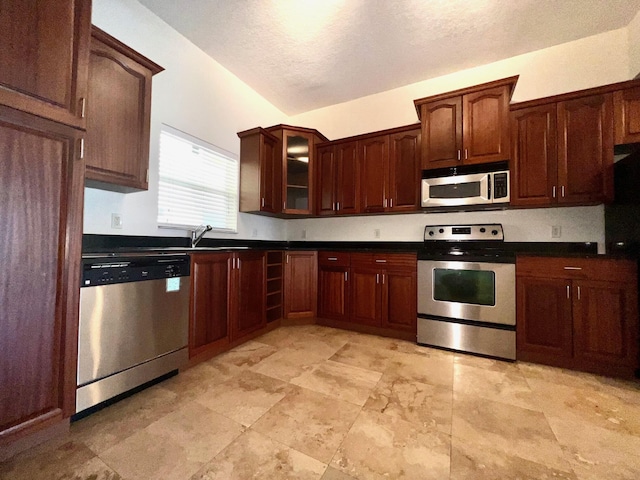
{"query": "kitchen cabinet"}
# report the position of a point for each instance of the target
(338, 186)
(209, 312)
(260, 172)
(296, 145)
(333, 285)
(563, 151)
(275, 285)
(300, 280)
(44, 58)
(626, 104)
(390, 171)
(118, 115)
(467, 126)
(578, 313)
(248, 293)
(41, 199)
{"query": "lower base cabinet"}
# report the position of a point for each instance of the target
(300, 282)
(578, 313)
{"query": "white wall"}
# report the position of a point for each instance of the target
(194, 94)
(584, 63)
(633, 31)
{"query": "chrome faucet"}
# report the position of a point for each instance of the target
(198, 233)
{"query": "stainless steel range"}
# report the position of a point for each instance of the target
(466, 290)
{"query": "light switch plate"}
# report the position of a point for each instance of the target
(556, 231)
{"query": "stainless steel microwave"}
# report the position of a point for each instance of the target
(466, 185)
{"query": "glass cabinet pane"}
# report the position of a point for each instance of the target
(297, 179)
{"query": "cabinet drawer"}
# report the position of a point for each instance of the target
(385, 260)
(334, 259)
(605, 269)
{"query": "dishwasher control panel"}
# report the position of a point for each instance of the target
(111, 270)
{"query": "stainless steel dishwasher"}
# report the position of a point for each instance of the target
(134, 323)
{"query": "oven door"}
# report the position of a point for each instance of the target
(456, 190)
(475, 291)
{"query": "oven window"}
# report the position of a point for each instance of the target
(477, 287)
(455, 190)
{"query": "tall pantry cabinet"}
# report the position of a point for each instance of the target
(43, 80)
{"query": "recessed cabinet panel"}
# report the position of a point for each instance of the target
(404, 171)
(486, 125)
(347, 186)
(326, 180)
(442, 133)
(374, 158)
(627, 115)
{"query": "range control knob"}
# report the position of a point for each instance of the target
(441, 230)
(482, 229)
(431, 233)
(494, 232)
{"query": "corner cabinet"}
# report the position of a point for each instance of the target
(563, 152)
(41, 198)
(297, 153)
(578, 313)
(118, 115)
(260, 172)
(44, 55)
(467, 126)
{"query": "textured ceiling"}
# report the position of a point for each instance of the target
(306, 54)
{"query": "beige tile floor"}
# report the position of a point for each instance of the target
(310, 402)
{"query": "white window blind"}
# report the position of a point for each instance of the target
(198, 183)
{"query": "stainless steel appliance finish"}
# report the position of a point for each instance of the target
(465, 186)
(466, 290)
(133, 323)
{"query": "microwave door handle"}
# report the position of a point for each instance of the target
(489, 186)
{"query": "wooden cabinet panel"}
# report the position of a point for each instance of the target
(333, 292)
(441, 133)
(585, 149)
(626, 105)
(534, 165)
(606, 323)
(544, 324)
(248, 293)
(44, 55)
(41, 197)
(118, 115)
(300, 279)
(399, 309)
(326, 168)
(260, 172)
(366, 297)
(485, 128)
(347, 175)
(209, 301)
(404, 171)
(374, 154)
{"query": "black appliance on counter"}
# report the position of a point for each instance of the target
(622, 217)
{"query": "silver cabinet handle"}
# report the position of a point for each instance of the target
(466, 153)
(578, 292)
(346, 276)
(377, 278)
(562, 190)
(568, 292)
(338, 207)
(333, 259)
(385, 203)
(287, 258)
(383, 275)
(381, 261)
(573, 268)
(458, 154)
(83, 107)
(391, 202)
(81, 148)
(263, 201)
(553, 192)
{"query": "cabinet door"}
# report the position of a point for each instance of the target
(366, 296)
(534, 165)
(606, 323)
(585, 149)
(441, 133)
(270, 175)
(333, 293)
(544, 325)
(297, 172)
(248, 293)
(399, 298)
(41, 196)
(118, 115)
(374, 157)
(404, 171)
(326, 167)
(44, 54)
(209, 301)
(347, 191)
(300, 279)
(626, 105)
(486, 125)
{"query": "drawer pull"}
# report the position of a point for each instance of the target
(381, 261)
(333, 259)
(573, 268)
(579, 296)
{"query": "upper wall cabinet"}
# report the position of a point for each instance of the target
(296, 145)
(337, 178)
(118, 115)
(466, 126)
(43, 58)
(627, 115)
(562, 151)
(260, 172)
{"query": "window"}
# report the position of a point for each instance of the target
(198, 183)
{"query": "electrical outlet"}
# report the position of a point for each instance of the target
(254, 232)
(303, 235)
(556, 231)
(376, 233)
(116, 220)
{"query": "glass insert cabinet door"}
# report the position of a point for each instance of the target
(297, 171)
